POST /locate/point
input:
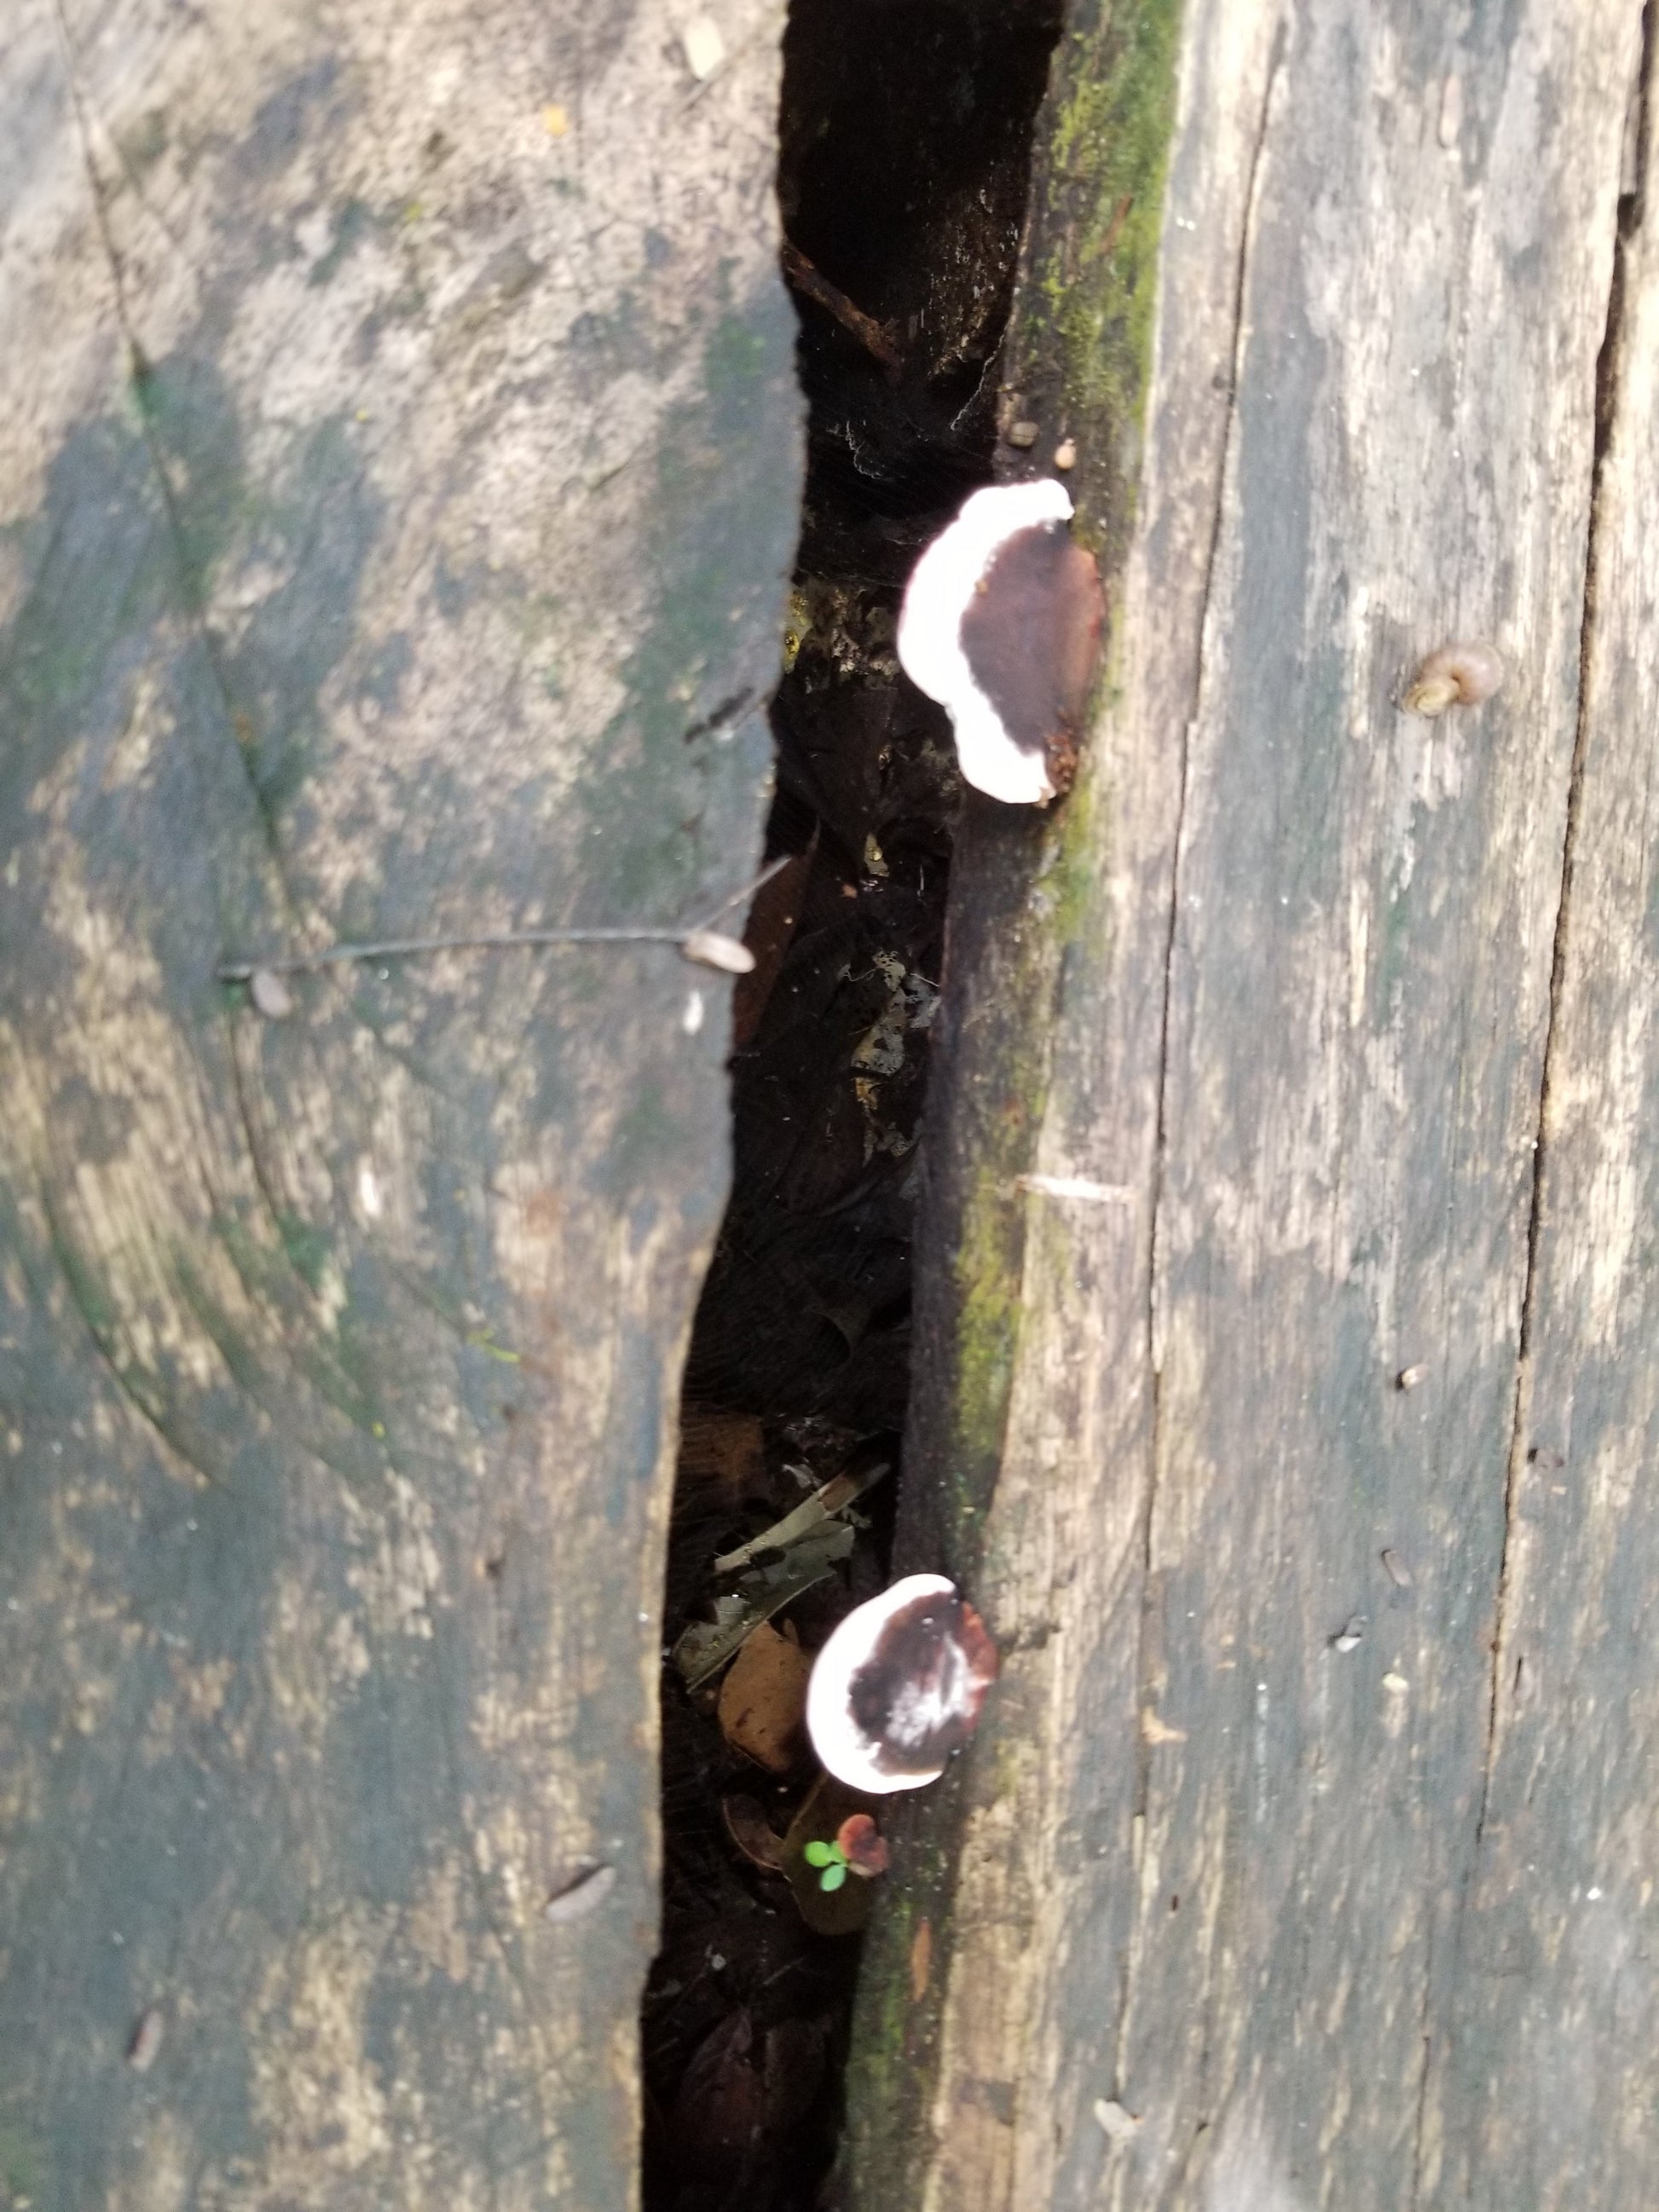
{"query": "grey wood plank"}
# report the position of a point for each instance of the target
(1542, 2091)
(1201, 1873)
(398, 475)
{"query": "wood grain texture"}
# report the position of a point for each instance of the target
(398, 475)
(1203, 1869)
(1542, 2093)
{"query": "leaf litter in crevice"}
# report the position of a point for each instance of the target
(762, 1701)
(830, 1499)
(705, 1646)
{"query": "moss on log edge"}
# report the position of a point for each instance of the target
(1025, 887)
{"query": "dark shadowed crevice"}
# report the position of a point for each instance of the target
(906, 131)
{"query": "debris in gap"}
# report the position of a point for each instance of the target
(797, 623)
(911, 219)
(762, 1701)
(723, 1454)
(899, 1686)
(752, 1832)
(771, 931)
(731, 2110)
(827, 1500)
(842, 1909)
(1001, 624)
(875, 338)
(1350, 1637)
(1396, 1569)
(705, 1646)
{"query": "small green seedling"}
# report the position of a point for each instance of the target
(831, 1860)
(857, 1848)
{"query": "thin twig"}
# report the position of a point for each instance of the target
(295, 963)
(875, 338)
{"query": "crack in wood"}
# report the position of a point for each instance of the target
(1609, 369)
(1143, 1746)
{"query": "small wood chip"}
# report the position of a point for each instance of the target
(705, 48)
(144, 2044)
(1395, 1685)
(710, 948)
(270, 994)
(1119, 2126)
(579, 1897)
(1409, 1377)
(1156, 1730)
(1396, 1569)
(922, 1961)
(1022, 435)
(1350, 1637)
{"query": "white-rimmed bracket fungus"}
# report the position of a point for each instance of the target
(1001, 624)
(899, 1685)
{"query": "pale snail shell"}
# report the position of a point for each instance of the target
(1455, 676)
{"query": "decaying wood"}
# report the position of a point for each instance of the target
(1308, 1838)
(1541, 2094)
(398, 474)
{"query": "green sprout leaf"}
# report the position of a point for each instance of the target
(821, 1855)
(832, 1876)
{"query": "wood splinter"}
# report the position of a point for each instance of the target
(875, 338)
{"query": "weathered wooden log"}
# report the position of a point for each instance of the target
(1288, 1382)
(399, 469)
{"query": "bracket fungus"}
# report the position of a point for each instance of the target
(1001, 624)
(899, 1685)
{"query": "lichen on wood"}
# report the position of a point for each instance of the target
(399, 468)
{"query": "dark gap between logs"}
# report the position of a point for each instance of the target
(905, 150)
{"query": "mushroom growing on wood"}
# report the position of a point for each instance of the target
(899, 1685)
(1001, 624)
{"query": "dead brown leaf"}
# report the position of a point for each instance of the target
(752, 1832)
(763, 1700)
